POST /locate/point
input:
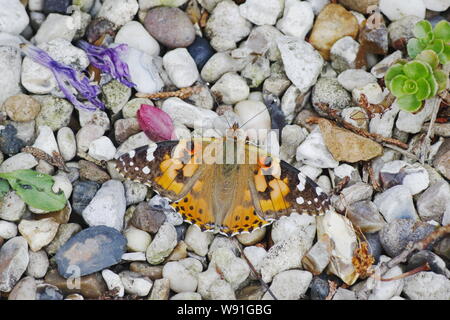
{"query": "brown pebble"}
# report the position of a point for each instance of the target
(90, 171)
(148, 219)
(153, 272)
(22, 108)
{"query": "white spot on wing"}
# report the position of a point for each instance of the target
(300, 200)
(151, 149)
(301, 182)
(146, 170)
(132, 153)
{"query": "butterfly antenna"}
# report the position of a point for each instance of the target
(256, 273)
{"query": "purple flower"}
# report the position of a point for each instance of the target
(108, 60)
(65, 77)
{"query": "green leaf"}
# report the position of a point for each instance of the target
(433, 85)
(410, 87)
(4, 188)
(35, 189)
(444, 57)
(422, 29)
(430, 57)
(442, 31)
(415, 47)
(409, 103)
(395, 70)
(424, 90)
(396, 85)
(441, 79)
(437, 46)
(416, 70)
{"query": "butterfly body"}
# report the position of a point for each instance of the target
(224, 185)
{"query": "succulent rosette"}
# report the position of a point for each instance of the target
(415, 81)
(427, 38)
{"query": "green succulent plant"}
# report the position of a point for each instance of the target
(427, 38)
(34, 188)
(415, 81)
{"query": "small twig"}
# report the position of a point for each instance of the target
(183, 93)
(333, 288)
(373, 136)
(55, 159)
(256, 273)
(375, 184)
(426, 144)
(424, 267)
(403, 152)
(415, 246)
(341, 185)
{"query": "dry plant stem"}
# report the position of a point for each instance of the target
(333, 288)
(183, 93)
(375, 184)
(415, 246)
(256, 273)
(400, 150)
(341, 185)
(424, 267)
(426, 144)
(373, 136)
(55, 159)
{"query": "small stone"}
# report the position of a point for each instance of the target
(65, 232)
(180, 252)
(135, 284)
(116, 95)
(441, 161)
(261, 12)
(144, 72)
(319, 289)
(67, 144)
(256, 256)
(343, 241)
(436, 5)
(348, 146)
(222, 290)
(303, 226)
(162, 204)
(180, 67)
(161, 290)
(234, 270)
(147, 4)
(10, 68)
(134, 35)
(314, 152)
(401, 31)
(412, 122)
(256, 116)
(222, 242)
(14, 17)
(433, 203)
(291, 136)
(90, 250)
(91, 286)
(201, 51)
(19, 161)
(332, 23)
(226, 26)
(202, 99)
(107, 207)
(375, 40)
(398, 233)
(102, 149)
(344, 294)
(153, 272)
(134, 256)
(344, 54)
(252, 238)
(182, 274)
(13, 262)
(397, 172)
(170, 26)
(113, 282)
(427, 286)
(383, 123)
(355, 78)
(124, 128)
(134, 192)
(83, 192)
(87, 134)
(55, 112)
(364, 214)
(301, 62)
(162, 245)
(198, 241)
(97, 117)
(137, 240)
(38, 264)
(396, 203)
(284, 255)
(148, 218)
(361, 6)
(251, 292)
(262, 40)
(38, 233)
(187, 114)
(380, 69)
(186, 296)
(219, 64)
(396, 10)
(90, 171)
(297, 19)
(256, 72)
(356, 116)
(328, 91)
(118, 12)
(46, 141)
(231, 88)
(289, 285)
(25, 289)
(21, 108)
(10, 143)
(8, 230)
(318, 257)
(68, 27)
(132, 107)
